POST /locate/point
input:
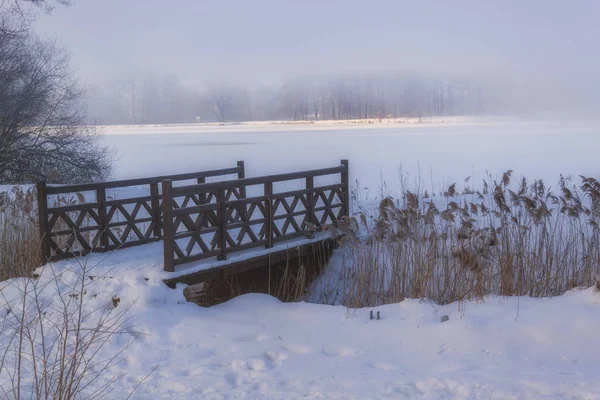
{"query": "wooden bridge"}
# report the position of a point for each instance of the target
(202, 217)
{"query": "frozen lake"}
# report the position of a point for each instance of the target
(443, 153)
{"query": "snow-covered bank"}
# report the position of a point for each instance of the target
(255, 347)
(317, 124)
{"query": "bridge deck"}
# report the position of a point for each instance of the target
(147, 261)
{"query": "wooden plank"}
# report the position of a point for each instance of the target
(323, 208)
(247, 200)
(70, 231)
(208, 187)
(292, 193)
(203, 198)
(102, 214)
(289, 215)
(247, 246)
(241, 176)
(252, 263)
(155, 202)
(196, 209)
(42, 201)
(125, 223)
(288, 236)
(74, 207)
(222, 217)
(141, 181)
(242, 189)
(310, 211)
(244, 224)
(183, 235)
(268, 190)
(329, 187)
(133, 243)
(346, 183)
(131, 200)
(196, 257)
(167, 186)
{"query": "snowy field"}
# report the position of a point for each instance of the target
(442, 151)
(255, 347)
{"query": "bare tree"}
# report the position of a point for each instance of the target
(220, 98)
(43, 133)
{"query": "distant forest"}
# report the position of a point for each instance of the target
(157, 100)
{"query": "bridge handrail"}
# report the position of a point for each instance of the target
(207, 187)
(65, 227)
(84, 187)
(218, 209)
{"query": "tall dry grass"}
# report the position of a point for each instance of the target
(19, 235)
(288, 280)
(502, 240)
(20, 244)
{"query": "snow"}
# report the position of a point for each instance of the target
(278, 125)
(148, 260)
(255, 347)
(203, 265)
(434, 154)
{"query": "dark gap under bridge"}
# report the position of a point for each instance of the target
(211, 223)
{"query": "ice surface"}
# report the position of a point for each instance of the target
(441, 153)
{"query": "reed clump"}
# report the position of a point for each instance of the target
(20, 242)
(502, 240)
(19, 236)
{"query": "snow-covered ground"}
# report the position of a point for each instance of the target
(255, 347)
(441, 153)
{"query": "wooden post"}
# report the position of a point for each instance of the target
(203, 200)
(269, 208)
(310, 211)
(222, 215)
(103, 215)
(167, 225)
(242, 190)
(42, 201)
(242, 175)
(346, 193)
(155, 202)
(201, 196)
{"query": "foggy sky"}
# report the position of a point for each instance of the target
(538, 43)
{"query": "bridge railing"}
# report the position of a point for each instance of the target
(216, 219)
(79, 219)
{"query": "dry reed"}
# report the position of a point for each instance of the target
(522, 241)
(19, 237)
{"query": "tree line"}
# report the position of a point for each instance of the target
(167, 100)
